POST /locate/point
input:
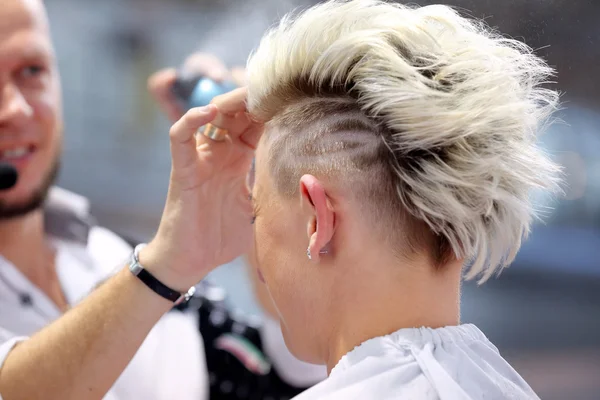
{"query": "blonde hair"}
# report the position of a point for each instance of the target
(455, 107)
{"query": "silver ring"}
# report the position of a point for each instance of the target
(213, 132)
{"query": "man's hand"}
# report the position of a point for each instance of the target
(204, 64)
(200, 173)
(206, 221)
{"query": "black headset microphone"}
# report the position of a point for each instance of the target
(8, 176)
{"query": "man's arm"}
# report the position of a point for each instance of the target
(82, 354)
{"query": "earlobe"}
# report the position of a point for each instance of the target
(321, 252)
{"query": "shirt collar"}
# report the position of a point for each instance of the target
(67, 216)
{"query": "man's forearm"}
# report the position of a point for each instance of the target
(82, 354)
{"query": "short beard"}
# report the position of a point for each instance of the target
(35, 201)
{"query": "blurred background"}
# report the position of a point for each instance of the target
(544, 312)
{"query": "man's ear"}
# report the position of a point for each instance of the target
(320, 214)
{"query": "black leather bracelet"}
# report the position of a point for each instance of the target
(157, 286)
(154, 284)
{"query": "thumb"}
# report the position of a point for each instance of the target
(182, 135)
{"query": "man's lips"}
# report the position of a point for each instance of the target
(17, 155)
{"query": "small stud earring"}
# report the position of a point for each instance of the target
(308, 253)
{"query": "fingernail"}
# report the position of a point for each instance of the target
(204, 110)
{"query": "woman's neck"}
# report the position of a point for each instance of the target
(383, 300)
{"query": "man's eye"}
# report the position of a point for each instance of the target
(31, 71)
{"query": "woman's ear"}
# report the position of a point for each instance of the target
(320, 216)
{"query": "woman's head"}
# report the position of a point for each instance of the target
(411, 131)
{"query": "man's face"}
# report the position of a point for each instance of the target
(30, 105)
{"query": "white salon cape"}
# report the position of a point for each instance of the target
(170, 364)
(452, 363)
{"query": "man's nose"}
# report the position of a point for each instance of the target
(14, 107)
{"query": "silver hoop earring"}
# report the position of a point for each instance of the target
(308, 254)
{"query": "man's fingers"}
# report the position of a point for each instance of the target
(159, 86)
(162, 80)
(252, 135)
(232, 102)
(234, 124)
(184, 129)
(205, 64)
(183, 143)
(233, 116)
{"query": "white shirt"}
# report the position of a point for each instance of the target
(451, 363)
(170, 364)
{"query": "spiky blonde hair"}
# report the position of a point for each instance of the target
(446, 109)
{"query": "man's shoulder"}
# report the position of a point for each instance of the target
(103, 239)
(108, 249)
(68, 218)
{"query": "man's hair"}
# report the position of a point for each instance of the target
(429, 118)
